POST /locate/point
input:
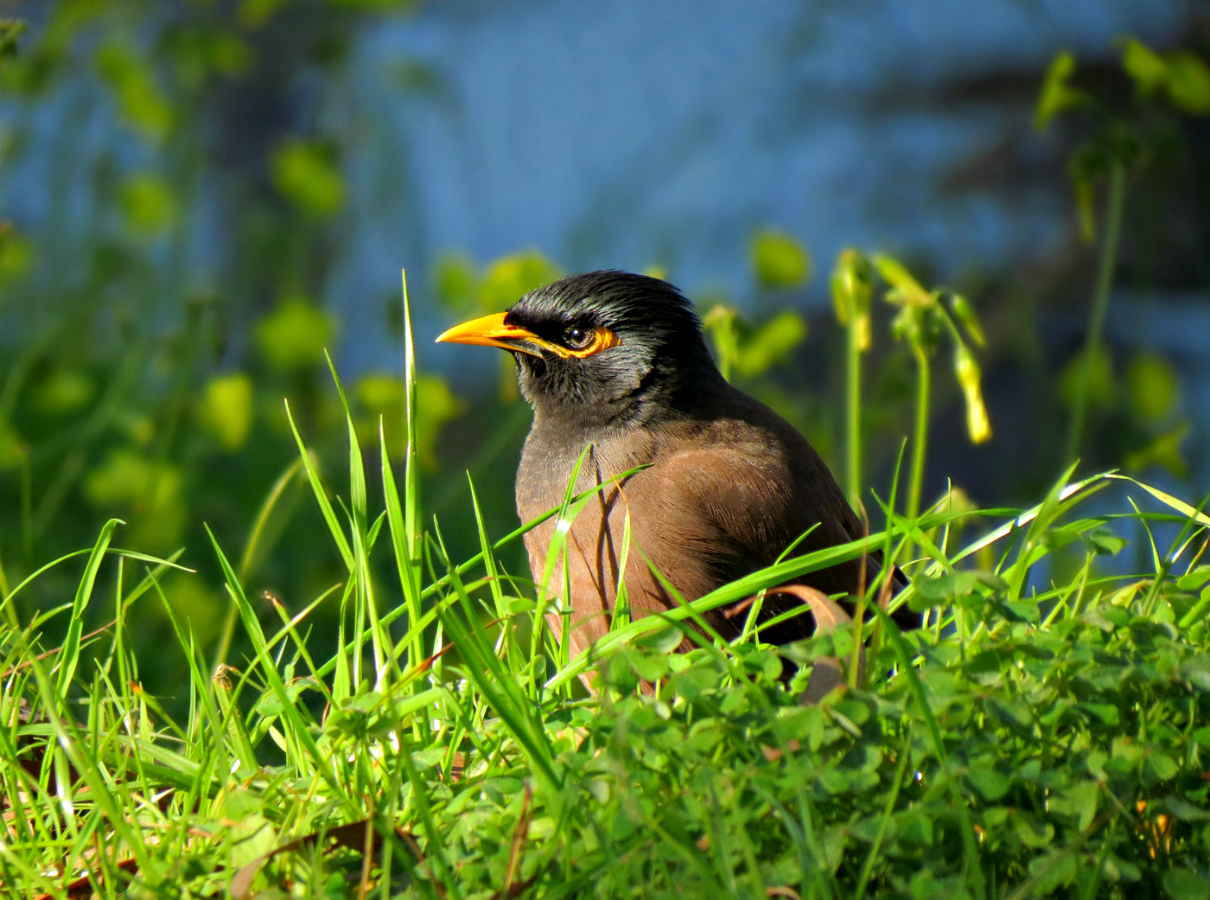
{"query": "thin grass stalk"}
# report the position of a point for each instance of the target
(919, 435)
(1100, 302)
(917, 690)
(889, 555)
(872, 857)
(69, 656)
(413, 538)
(27, 508)
(853, 480)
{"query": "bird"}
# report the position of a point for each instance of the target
(707, 483)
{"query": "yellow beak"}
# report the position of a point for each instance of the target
(492, 331)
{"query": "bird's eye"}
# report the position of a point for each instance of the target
(577, 338)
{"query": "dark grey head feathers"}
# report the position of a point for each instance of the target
(660, 352)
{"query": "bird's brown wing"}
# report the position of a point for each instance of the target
(711, 508)
(746, 504)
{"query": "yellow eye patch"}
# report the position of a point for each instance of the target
(602, 339)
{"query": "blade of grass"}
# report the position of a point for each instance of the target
(69, 656)
(321, 495)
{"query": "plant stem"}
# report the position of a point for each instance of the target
(920, 435)
(853, 413)
(1100, 302)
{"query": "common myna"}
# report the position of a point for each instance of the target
(617, 363)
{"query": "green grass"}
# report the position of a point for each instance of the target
(1040, 736)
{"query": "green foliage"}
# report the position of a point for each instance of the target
(1057, 94)
(750, 349)
(295, 334)
(383, 398)
(1022, 744)
(779, 260)
(10, 31)
(148, 205)
(461, 286)
(147, 489)
(1120, 142)
(1143, 396)
(307, 175)
(1182, 76)
(1153, 386)
(226, 409)
(1121, 138)
(138, 96)
(1091, 376)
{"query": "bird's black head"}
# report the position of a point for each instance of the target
(600, 350)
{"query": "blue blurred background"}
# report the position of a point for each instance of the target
(199, 197)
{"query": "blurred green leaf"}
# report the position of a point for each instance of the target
(779, 260)
(1144, 65)
(1160, 766)
(1057, 95)
(905, 290)
(1185, 884)
(719, 323)
(978, 425)
(383, 396)
(1104, 542)
(965, 314)
(1188, 83)
(1163, 450)
(852, 290)
(307, 174)
(199, 51)
(456, 282)
(376, 5)
(771, 343)
(295, 334)
(1085, 208)
(126, 476)
(253, 14)
(149, 205)
(16, 252)
(949, 588)
(226, 409)
(62, 392)
(10, 31)
(1053, 871)
(12, 449)
(510, 277)
(202, 607)
(1102, 388)
(151, 489)
(990, 784)
(133, 82)
(1152, 386)
(436, 404)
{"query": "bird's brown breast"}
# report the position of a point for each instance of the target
(720, 496)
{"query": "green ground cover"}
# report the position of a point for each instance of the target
(1040, 736)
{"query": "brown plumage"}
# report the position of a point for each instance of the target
(617, 363)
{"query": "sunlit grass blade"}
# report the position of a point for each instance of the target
(313, 758)
(497, 686)
(255, 545)
(69, 656)
(321, 495)
(366, 618)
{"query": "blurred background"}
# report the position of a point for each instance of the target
(198, 198)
